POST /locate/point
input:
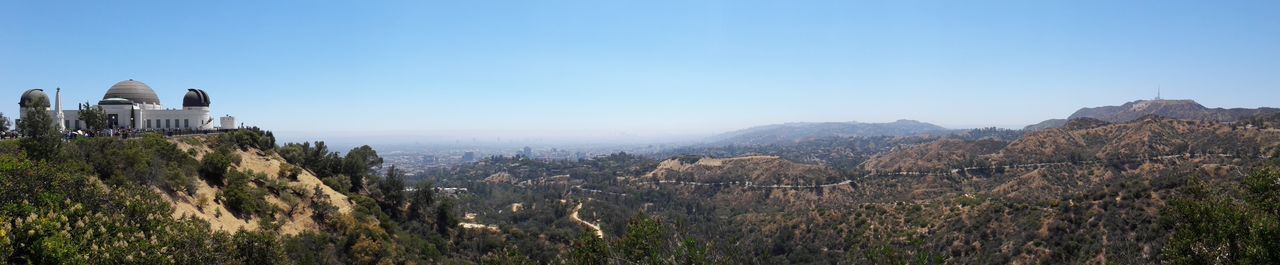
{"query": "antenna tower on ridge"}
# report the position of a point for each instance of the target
(1157, 92)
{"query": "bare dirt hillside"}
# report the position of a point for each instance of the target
(301, 192)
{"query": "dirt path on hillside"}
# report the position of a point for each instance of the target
(594, 227)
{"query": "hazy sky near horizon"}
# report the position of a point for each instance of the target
(624, 69)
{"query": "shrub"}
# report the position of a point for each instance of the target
(259, 248)
(214, 167)
(242, 198)
(290, 172)
(252, 137)
(147, 160)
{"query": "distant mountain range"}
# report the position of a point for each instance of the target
(1085, 139)
(793, 132)
(1174, 109)
(1085, 117)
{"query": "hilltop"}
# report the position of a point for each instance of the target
(1176, 109)
(794, 132)
(1087, 139)
(763, 170)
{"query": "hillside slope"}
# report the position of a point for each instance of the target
(295, 204)
(1085, 139)
(768, 170)
(1175, 109)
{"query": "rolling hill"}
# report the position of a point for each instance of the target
(1175, 109)
(794, 132)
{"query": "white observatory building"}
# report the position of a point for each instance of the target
(129, 104)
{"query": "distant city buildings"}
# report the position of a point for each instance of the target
(429, 164)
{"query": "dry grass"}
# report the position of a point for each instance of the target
(293, 221)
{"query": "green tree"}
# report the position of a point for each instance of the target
(644, 241)
(213, 167)
(259, 247)
(421, 201)
(694, 253)
(94, 117)
(40, 139)
(589, 249)
(393, 194)
(1211, 227)
(4, 123)
(506, 257)
(243, 198)
(360, 163)
(445, 218)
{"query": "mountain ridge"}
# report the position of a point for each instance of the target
(796, 131)
(1182, 109)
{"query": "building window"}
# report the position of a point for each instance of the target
(186, 123)
(166, 123)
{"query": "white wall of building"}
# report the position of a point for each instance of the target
(141, 116)
(228, 122)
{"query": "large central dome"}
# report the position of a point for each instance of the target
(133, 91)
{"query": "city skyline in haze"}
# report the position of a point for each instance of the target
(603, 71)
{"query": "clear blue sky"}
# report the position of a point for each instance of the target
(645, 68)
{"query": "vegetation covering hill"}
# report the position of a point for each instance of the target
(295, 195)
(762, 170)
(237, 197)
(794, 132)
(1149, 137)
(1175, 109)
(1153, 190)
(1088, 140)
(227, 198)
(936, 155)
(1091, 192)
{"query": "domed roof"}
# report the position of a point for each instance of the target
(115, 101)
(32, 96)
(195, 98)
(133, 91)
